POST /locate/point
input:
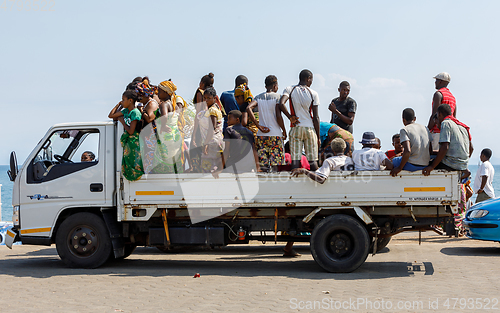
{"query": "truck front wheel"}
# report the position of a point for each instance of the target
(83, 240)
(339, 243)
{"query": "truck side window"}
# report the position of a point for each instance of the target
(65, 152)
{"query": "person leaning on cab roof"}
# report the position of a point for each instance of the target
(455, 143)
(369, 158)
(441, 96)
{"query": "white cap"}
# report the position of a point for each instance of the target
(443, 76)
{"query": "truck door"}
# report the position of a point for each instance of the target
(66, 172)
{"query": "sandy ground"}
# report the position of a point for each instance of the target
(442, 274)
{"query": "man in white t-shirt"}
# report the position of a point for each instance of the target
(272, 131)
(369, 158)
(338, 162)
(304, 133)
(484, 178)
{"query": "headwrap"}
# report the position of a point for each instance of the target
(144, 89)
(452, 118)
(243, 90)
(168, 86)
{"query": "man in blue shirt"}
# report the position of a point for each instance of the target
(227, 97)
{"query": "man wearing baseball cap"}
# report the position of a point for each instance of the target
(441, 96)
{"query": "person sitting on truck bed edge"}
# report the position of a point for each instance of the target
(335, 163)
(129, 116)
(369, 158)
(417, 145)
(239, 151)
(455, 143)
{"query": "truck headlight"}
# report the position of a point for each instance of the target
(478, 213)
(15, 215)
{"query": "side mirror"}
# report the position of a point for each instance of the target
(13, 166)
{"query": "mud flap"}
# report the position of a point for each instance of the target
(115, 232)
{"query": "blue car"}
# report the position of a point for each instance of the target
(482, 221)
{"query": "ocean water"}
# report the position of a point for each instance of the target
(7, 188)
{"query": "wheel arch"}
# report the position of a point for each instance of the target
(67, 212)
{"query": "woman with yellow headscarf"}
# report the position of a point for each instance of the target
(243, 97)
(168, 134)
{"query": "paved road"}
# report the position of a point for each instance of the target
(256, 278)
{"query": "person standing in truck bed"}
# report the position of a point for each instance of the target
(272, 131)
(441, 96)
(210, 122)
(343, 108)
(304, 104)
(129, 116)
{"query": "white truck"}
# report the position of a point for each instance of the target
(92, 213)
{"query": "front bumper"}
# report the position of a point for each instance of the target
(482, 229)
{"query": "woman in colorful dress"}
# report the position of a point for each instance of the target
(211, 122)
(195, 145)
(150, 111)
(168, 154)
(129, 116)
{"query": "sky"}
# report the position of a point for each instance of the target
(72, 61)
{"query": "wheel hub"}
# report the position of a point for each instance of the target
(340, 244)
(83, 241)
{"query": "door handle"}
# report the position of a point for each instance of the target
(96, 187)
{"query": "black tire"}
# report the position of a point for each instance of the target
(340, 243)
(83, 241)
(381, 244)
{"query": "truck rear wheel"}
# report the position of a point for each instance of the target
(83, 240)
(339, 243)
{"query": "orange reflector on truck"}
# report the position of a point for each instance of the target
(155, 193)
(424, 189)
(35, 230)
